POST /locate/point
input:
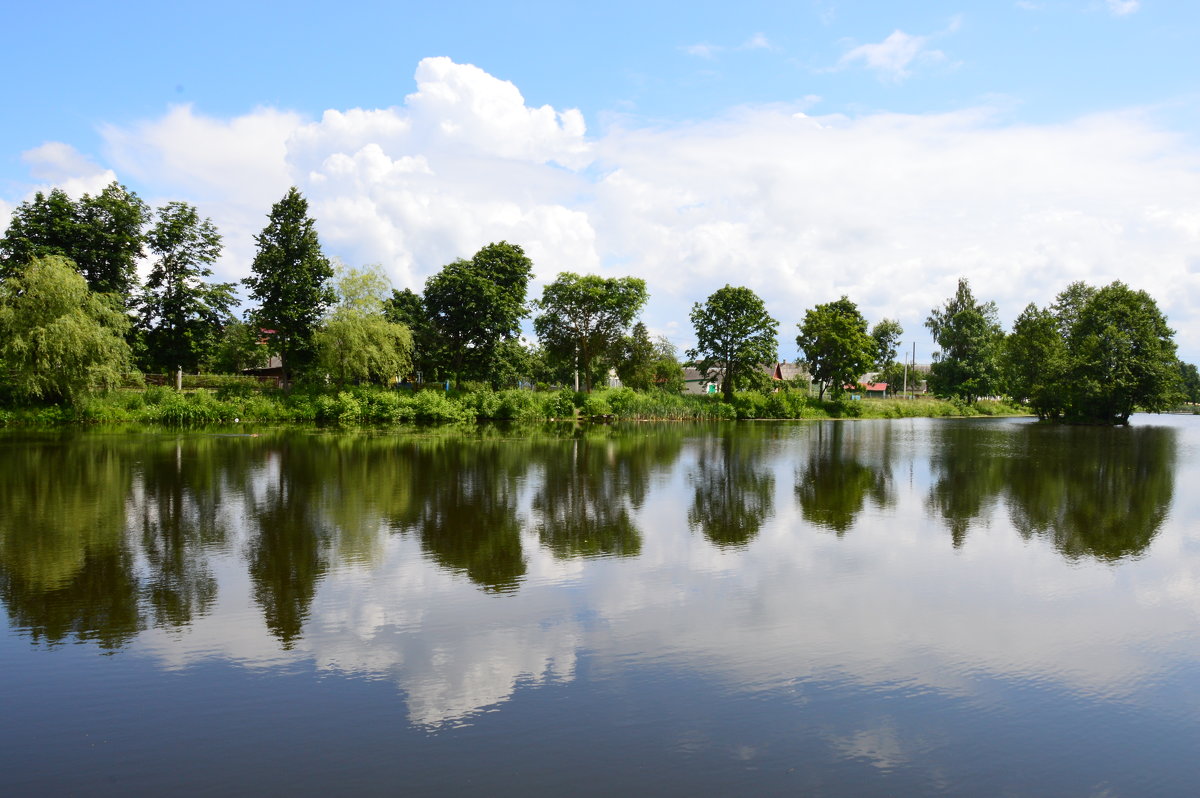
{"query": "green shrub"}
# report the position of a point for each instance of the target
(560, 404)
(596, 404)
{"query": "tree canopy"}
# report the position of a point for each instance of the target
(1122, 356)
(475, 304)
(734, 335)
(57, 338)
(102, 235)
(836, 345)
(584, 317)
(290, 280)
(357, 342)
(181, 315)
(969, 335)
(647, 362)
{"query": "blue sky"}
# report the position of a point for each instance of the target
(806, 149)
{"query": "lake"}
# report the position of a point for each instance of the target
(919, 606)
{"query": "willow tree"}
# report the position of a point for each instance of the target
(59, 340)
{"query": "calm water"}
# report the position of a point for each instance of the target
(868, 608)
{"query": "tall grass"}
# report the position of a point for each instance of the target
(377, 406)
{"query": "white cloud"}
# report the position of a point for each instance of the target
(1121, 8)
(59, 165)
(892, 57)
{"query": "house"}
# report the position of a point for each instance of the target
(696, 382)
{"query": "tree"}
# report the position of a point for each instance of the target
(290, 280)
(475, 304)
(886, 335)
(240, 346)
(734, 334)
(1189, 377)
(1033, 361)
(57, 338)
(836, 345)
(408, 308)
(970, 337)
(101, 234)
(1122, 357)
(357, 342)
(647, 363)
(585, 317)
(182, 315)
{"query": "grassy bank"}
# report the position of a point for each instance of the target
(248, 403)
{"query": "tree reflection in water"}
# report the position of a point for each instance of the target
(847, 464)
(591, 484)
(66, 570)
(733, 488)
(1097, 492)
(970, 462)
(465, 507)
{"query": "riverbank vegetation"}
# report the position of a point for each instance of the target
(77, 331)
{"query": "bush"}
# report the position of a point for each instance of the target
(560, 404)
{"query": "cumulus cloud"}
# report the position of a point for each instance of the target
(887, 208)
(58, 165)
(1121, 8)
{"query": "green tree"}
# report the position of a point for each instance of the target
(646, 363)
(584, 318)
(836, 345)
(886, 335)
(57, 338)
(970, 338)
(408, 308)
(1034, 360)
(290, 281)
(101, 234)
(734, 335)
(475, 304)
(45, 225)
(181, 315)
(357, 342)
(1122, 357)
(1189, 377)
(240, 346)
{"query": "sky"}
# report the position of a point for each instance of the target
(807, 150)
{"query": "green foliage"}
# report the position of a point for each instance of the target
(836, 345)
(473, 305)
(102, 235)
(886, 335)
(240, 346)
(1094, 356)
(59, 340)
(584, 318)
(1189, 378)
(734, 334)
(970, 339)
(290, 281)
(1034, 362)
(646, 363)
(181, 316)
(1122, 357)
(355, 346)
(896, 375)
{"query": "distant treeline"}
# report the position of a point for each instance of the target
(75, 320)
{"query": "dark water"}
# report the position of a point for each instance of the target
(867, 608)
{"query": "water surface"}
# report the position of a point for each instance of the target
(970, 607)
